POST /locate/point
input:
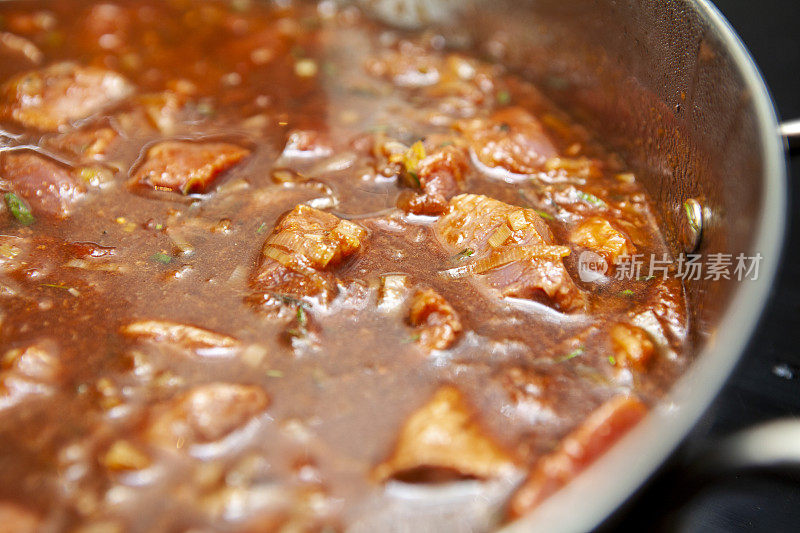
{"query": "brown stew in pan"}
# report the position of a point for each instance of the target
(265, 265)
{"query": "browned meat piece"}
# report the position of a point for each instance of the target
(16, 519)
(88, 145)
(435, 319)
(600, 236)
(579, 449)
(32, 371)
(48, 187)
(512, 248)
(632, 345)
(186, 167)
(443, 439)
(53, 97)
(440, 175)
(512, 139)
(207, 413)
(303, 244)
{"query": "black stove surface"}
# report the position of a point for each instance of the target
(766, 384)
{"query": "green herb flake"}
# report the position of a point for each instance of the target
(262, 228)
(302, 319)
(72, 290)
(415, 178)
(612, 360)
(19, 209)
(591, 199)
(412, 338)
(462, 255)
(503, 97)
(544, 214)
(577, 352)
(627, 293)
(162, 258)
(288, 300)
(297, 333)
(275, 373)
(159, 226)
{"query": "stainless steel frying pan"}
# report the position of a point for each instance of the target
(668, 84)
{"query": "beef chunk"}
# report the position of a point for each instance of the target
(511, 139)
(600, 236)
(206, 413)
(607, 424)
(53, 97)
(190, 338)
(186, 167)
(305, 243)
(435, 319)
(443, 437)
(86, 144)
(512, 250)
(46, 186)
(27, 372)
(439, 175)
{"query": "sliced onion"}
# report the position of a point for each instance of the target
(504, 257)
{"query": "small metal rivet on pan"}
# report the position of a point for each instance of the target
(693, 227)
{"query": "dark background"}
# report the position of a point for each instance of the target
(766, 384)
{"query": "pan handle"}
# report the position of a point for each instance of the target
(790, 131)
(768, 445)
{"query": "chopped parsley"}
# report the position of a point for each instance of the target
(262, 228)
(72, 290)
(275, 373)
(19, 209)
(503, 97)
(162, 258)
(288, 300)
(412, 338)
(626, 292)
(302, 319)
(577, 352)
(591, 199)
(612, 360)
(462, 255)
(544, 214)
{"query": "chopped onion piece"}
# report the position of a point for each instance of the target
(504, 257)
(500, 236)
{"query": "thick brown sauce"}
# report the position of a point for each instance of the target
(336, 408)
